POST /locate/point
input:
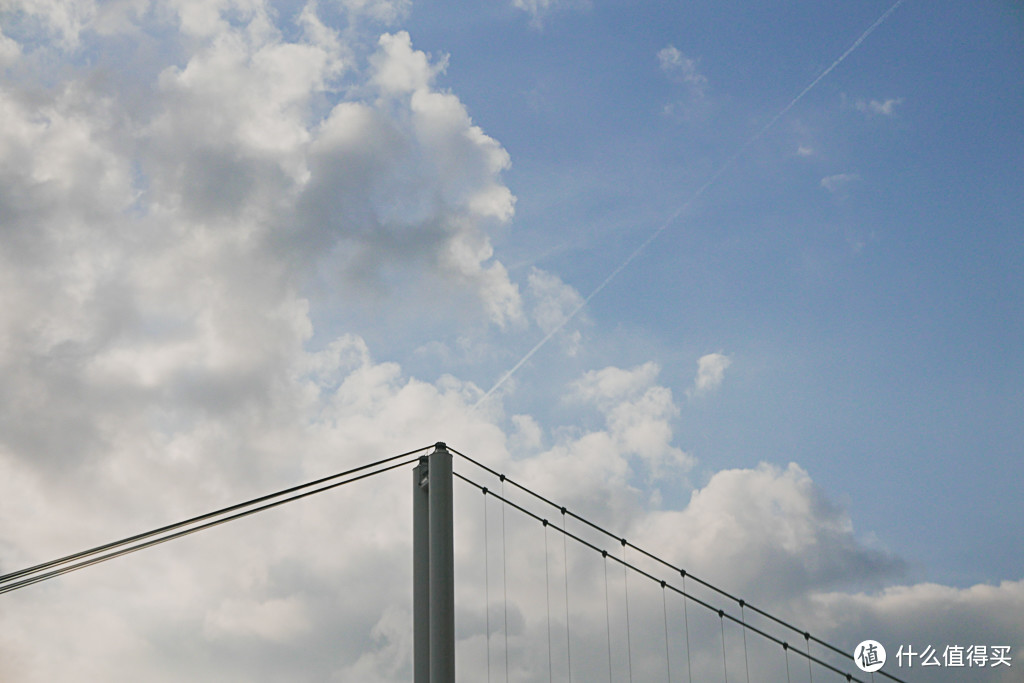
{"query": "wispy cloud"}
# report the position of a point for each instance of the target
(839, 181)
(681, 68)
(540, 9)
(879, 107)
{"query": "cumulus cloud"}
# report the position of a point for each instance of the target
(767, 534)
(158, 244)
(9, 50)
(164, 240)
(801, 539)
(918, 617)
(710, 373)
(418, 187)
(638, 417)
(61, 21)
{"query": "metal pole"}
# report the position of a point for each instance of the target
(442, 567)
(421, 573)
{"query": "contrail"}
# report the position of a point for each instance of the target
(700, 191)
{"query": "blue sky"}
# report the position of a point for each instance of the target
(245, 243)
(875, 329)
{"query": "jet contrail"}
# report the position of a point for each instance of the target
(675, 214)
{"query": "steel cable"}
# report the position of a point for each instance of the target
(547, 599)
(625, 589)
(199, 518)
(487, 589)
(91, 557)
(669, 565)
(746, 661)
(504, 577)
(664, 614)
(607, 613)
(722, 614)
(721, 622)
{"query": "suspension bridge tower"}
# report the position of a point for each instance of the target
(433, 569)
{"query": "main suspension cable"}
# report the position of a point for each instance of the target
(666, 563)
(721, 613)
(87, 558)
(209, 515)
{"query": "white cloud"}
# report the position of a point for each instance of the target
(274, 619)
(710, 373)
(637, 411)
(10, 50)
(540, 9)
(612, 384)
(838, 182)
(421, 186)
(801, 541)
(534, 7)
(63, 20)
(804, 150)
(919, 616)
(691, 104)
(385, 11)
(681, 68)
(157, 348)
(398, 69)
(880, 107)
(156, 296)
(553, 302)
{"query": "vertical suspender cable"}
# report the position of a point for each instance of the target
(568, 639)
(810, 674)
(547, 598)
(743, 622)
(607, 613)
(721, 622)
(664, 613)
(686, 596)
(785, 648)
(686, 622)
(487, 590)
(504, 575)
(674, 568)
(625, 588)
